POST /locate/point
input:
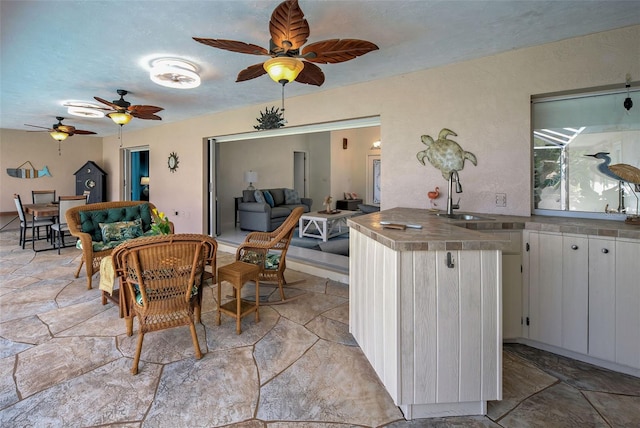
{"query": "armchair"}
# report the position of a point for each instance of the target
(269, 250)
(163, 278)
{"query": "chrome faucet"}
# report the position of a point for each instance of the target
(453, 176)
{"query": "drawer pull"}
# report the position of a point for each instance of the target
(574, 247)
(605, 251)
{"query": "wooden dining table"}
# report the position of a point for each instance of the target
(39, 211)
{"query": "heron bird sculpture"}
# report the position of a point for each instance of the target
(621, 172)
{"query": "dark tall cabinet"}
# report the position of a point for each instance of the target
(92, 178)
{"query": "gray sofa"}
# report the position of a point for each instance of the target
(263, 217)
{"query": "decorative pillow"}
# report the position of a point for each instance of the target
(259, 197)
(354, 196)
(291, 196)
(347, 196)
(121, 230)
(268, 198)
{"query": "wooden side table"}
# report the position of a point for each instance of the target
(238, 273)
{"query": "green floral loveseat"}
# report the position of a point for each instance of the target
(103, 226)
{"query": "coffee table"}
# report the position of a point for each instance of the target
(324, 226)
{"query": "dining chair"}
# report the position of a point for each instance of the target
(163, 275)
(43, 196)
(26, 224)
(60, 227)
(269, 250)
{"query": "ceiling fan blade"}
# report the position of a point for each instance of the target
(143, 109)
(109, 103)
(41, 127)
(311, 75)
(83, 132)
(337, 50)
(233, 46)
(287, 24)
(251, 72)
(145, 115)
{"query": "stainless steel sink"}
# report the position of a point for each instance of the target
(466, 217)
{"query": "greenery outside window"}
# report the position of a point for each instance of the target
(567, 131)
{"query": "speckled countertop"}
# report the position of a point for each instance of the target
(442, 233)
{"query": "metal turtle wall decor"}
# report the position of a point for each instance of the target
(444, 154)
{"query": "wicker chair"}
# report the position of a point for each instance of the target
(161, 274)
(124, 298)
(91, 258)
(257, 247)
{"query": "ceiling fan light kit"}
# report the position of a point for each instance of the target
(283, 69)
(289, 31)
(58, 135)
(120, 118)
(174, 73)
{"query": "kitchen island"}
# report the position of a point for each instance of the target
(425, 307)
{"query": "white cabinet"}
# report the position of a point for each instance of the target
(511, 284)
(602, 298)
(545, 287)
(582, 294)
(429, 323)
(628, 302)
(575, 292)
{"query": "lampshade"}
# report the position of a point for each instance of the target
(283, 69)
(59, 135)
(174, 73)
(250, 176)
(144, 181)
(120, 118)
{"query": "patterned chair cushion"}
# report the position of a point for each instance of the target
(121, 230)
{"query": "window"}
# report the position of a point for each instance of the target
(575, 140)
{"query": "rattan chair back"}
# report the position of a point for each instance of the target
(163, 275)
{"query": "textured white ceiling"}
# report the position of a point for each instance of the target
(52, 51)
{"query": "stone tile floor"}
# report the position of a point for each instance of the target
(65, 361)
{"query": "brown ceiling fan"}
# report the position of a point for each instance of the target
(289, 32)
(123, 110)
(60, 127)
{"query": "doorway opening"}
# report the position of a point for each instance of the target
(136, 174)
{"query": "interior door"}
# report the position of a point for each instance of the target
(300, 173)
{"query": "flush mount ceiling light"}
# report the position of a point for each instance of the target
(85, 112)
(174, 73)
(84, 109)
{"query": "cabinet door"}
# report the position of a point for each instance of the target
(545, 288)
(602, 298)
(575, 292)
(511, 284)
(628, 303)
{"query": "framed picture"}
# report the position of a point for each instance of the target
(373, 179)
